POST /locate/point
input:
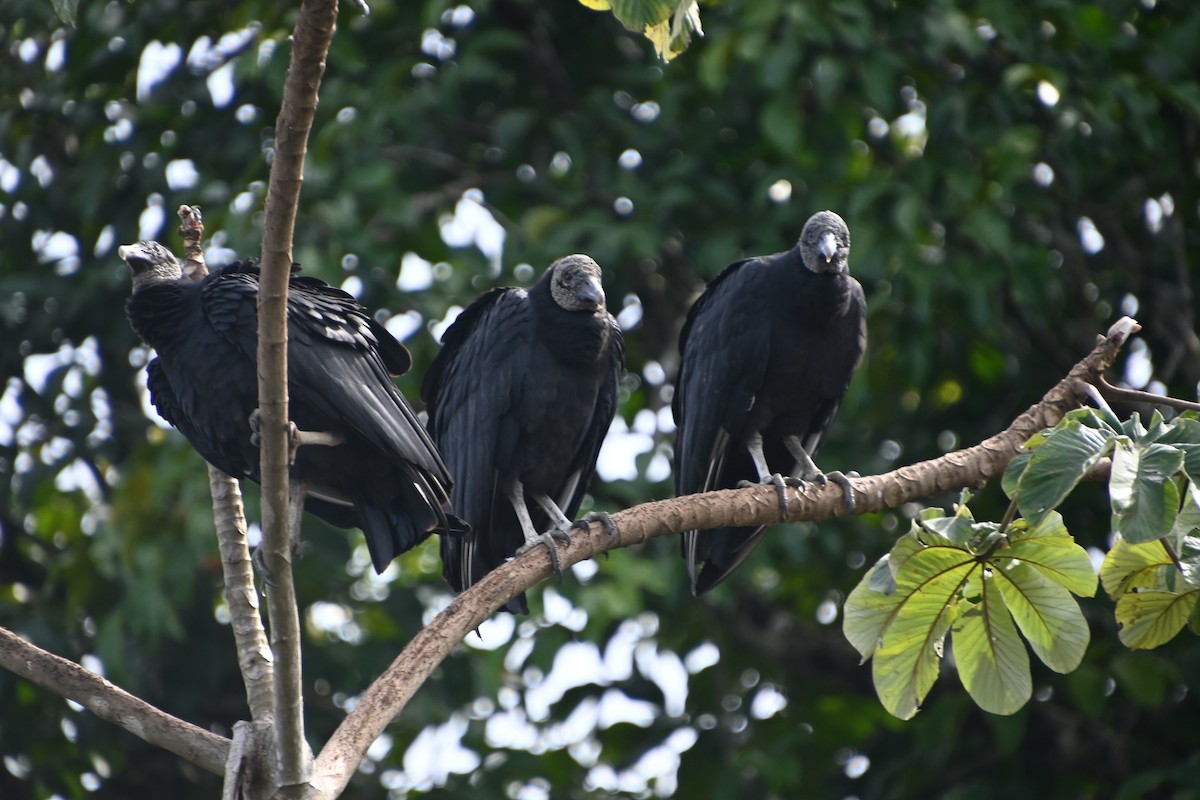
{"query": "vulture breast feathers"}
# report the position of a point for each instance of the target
(520, 399)
(767, 353)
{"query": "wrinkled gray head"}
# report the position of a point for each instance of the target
(150, 262)
(575, 284)
(825, 243)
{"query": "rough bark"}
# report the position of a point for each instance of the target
(759, 505)
(68, 679)
(388, 695)
(310, 44)
(250, 638)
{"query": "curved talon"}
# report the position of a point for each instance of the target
(843, 480)
(547, 539)
(585, 524)
(293, 442)
(260, 566)
(780, 483)
(255, 438)
(781, 488)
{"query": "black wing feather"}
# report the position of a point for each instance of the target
(470, 391)
(387, 477)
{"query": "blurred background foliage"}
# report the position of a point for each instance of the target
(1015, 177)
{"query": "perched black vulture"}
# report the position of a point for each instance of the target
(520, 398)
(767, 355)
(385, 476)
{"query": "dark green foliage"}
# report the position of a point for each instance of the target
(983, 283)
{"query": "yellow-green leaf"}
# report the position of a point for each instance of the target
(868, 610)
(906, 659)
(1056, 557)
(1047, 615)
(1151, 618)
(668, 24)
(1134, 566)
(638, 14)
(992, 661)
(903, 549)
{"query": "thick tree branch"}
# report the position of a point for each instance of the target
(310, 44)
(250, 638)
(389, 694)
(758, 505)
(68, 679)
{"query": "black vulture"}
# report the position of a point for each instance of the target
(384, 475)
(767, 355)
(520, 398)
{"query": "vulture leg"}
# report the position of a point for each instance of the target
(562, 523)
(516, 496)
(296, 493)
(598, 516)
(296, 437)
(755, 445)
(807, 470)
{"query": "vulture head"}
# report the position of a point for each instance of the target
(150, 262)
(825, 243)
(575, 283)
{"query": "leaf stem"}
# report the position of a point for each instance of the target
(1010, 514)
(1170, 548)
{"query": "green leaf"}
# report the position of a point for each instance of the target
(1184, 434)
(1047, 615)
(66, 11)
(1145, 499)
(1011, 479)
(992, 661)
(637, 15)
(1055, 556)
(1102, 419)
(1188, 550)
(1056, 467)
(1152, 618)
(906, 660)
(1186, 536)
(1133, 427)
(906, 546)
(1134, 566)
(869, 609)
(957, 530)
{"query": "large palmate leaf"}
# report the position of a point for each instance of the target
(1046, 614)
(971, 580)
(907, 658)
(1059, 462)
(1144, 497)
(870, 608)
(1134, 566)
(991, 658)
(1050, 549)
(1152, 618)
(1184, 434)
